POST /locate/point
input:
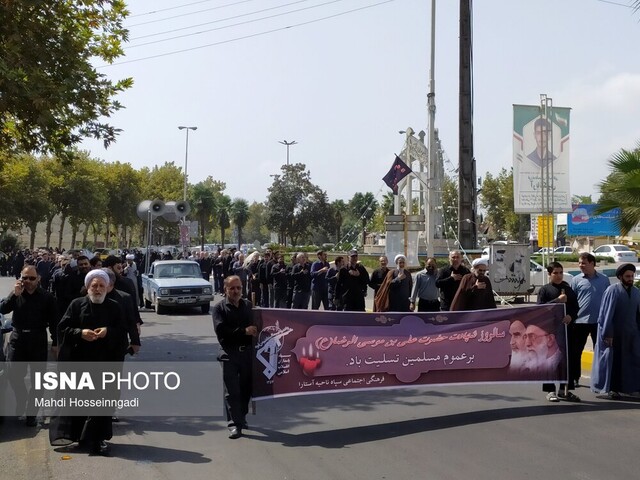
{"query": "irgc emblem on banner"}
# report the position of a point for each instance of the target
(541, 159)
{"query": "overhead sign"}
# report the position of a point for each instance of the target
(584, 222)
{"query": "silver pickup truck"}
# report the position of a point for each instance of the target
(176, 283)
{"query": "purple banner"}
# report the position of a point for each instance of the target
(301, 352)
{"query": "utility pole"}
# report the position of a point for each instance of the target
(467, 232)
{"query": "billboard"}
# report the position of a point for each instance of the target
(540, 159)
(583, 222)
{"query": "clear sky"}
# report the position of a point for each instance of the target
(343, 87)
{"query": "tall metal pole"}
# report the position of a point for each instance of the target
(467, 232)
(186, 158)
(429, 210)
(288, 144)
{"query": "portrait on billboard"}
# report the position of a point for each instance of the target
(542, 155)
(541, 159)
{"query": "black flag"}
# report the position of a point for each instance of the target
(398, 171)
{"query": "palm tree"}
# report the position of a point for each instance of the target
(223, 205)
(363, 208)
(621, 189)
(240, 216)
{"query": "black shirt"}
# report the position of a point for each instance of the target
(32, 311)
(230, 323)
(448, 285)
(551, 291)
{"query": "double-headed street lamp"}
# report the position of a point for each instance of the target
(288, 144)
(186, 157)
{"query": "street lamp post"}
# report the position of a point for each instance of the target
(288, 144)
(186, 158)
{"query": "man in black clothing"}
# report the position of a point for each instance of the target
(301, 275)
(351, 288)
(559, 291)
(332, 280)
(34, 310)
(379, 274)
(264, 274)
(123, 283)
(232, 322)
(205, 265)
(71, 283)
(290, 282)
(280, 282)
(129, 331)
(216, 267)
(449, 279)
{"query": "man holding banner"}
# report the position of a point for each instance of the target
(232, 322)
(559, 291)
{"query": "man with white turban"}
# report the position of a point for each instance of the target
(89, 331)
(475, 291)
(131, 272)
(400, 287)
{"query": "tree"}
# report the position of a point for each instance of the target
(31, 184)
(223, 205)
(240, 216)
(256, 227)
(363, 206)
(290, 207)
(336, 217)
(51, 95)
(11, 193)
(621, 189)
(203, 201)
(449, 206)
(123, 184)
(497, 199)
(582, 199)
(166, 183)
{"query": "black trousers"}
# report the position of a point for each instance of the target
(319, 297)
(428, 305)
(264, 288)
(236, 374)
(574, 357)
(24, 349)
(280, 300)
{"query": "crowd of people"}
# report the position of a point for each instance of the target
(60, 292)
(90, 309)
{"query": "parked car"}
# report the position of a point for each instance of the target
(564, 250)
(103, 253)
(544, 251)
(618, 253)
(539, 275)
(176, 283)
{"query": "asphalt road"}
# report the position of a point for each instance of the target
(456, 432)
